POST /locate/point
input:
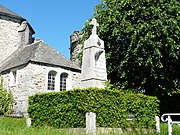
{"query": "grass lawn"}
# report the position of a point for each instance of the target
(17, 126)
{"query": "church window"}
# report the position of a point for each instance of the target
(63, 79)
(14, 77)
(51, 80)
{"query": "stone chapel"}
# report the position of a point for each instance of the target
(29, 66)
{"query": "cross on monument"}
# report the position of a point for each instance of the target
(95, 25)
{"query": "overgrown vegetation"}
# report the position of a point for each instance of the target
(68, 109)
(6, 100)
(142, 41)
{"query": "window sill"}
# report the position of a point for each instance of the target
(12, 86)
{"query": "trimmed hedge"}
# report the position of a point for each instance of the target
(67, 109)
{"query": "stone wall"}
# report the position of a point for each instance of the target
(75, 46)
(25, 33)
(76, 80)
(9, 36)
(12, 35)
(32, 79)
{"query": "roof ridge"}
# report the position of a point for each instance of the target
(6, 11)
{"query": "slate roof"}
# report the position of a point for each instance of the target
(7, 12)
(37, 52)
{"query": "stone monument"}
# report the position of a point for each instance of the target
(93, 63)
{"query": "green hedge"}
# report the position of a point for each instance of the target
(67, 109)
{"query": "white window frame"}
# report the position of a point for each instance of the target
(51, 80)
(63, 81)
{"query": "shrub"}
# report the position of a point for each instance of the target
(67, 109)
(6, 99)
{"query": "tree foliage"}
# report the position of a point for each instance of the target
(142, 41)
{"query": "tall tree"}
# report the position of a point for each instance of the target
(142, 42)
